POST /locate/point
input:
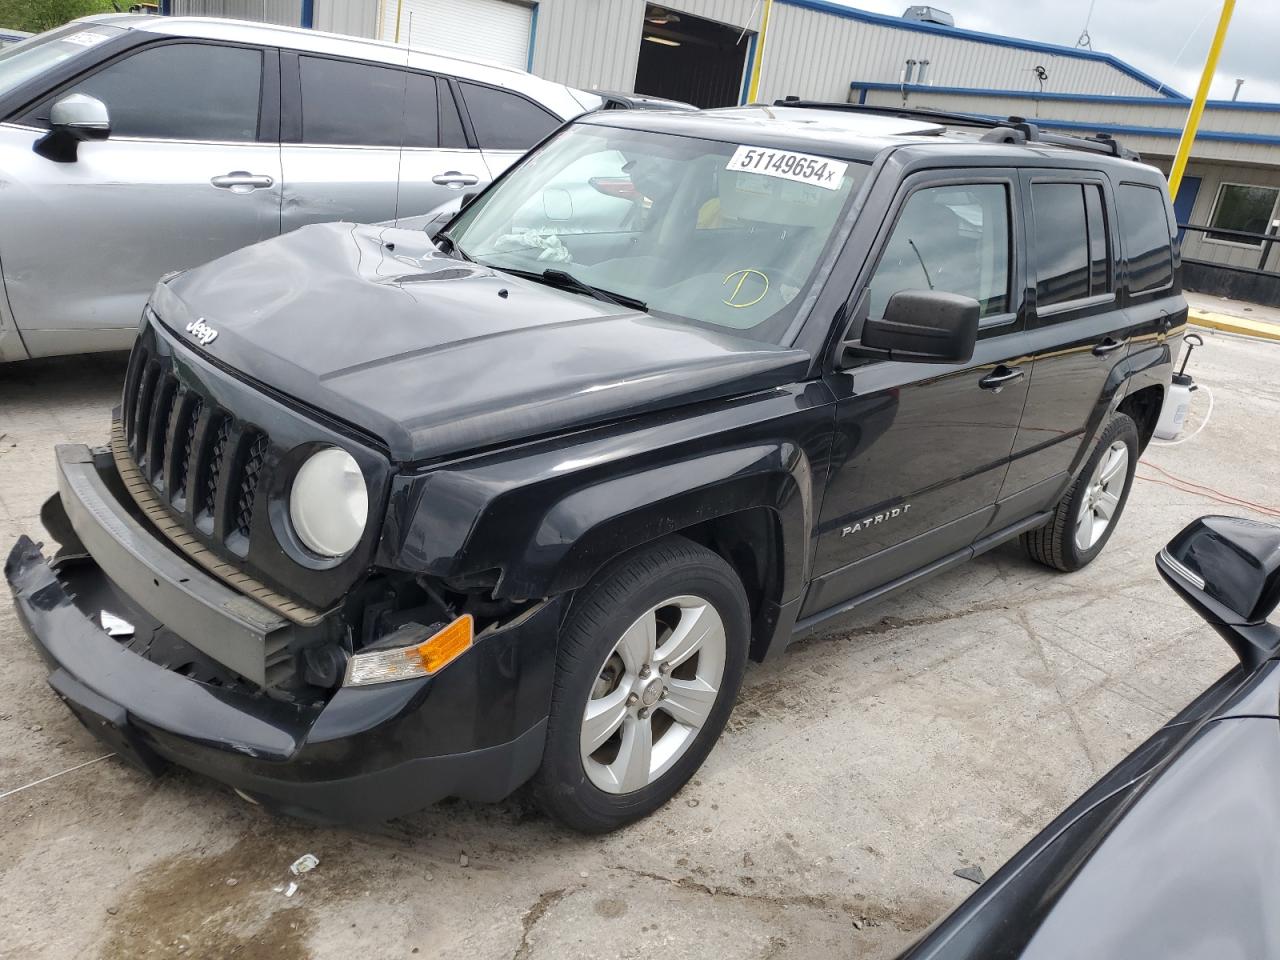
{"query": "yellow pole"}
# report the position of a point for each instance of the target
(400, 10)
(754, 90)
(1197, 105)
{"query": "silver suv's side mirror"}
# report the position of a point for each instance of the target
(72, 119)
(1228, 570)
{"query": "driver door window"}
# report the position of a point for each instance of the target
(953, 238)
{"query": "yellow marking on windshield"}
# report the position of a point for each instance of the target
(732, 299)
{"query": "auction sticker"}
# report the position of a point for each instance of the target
(84, 38)
(786, 165)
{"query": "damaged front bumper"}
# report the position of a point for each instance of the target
(474, 730)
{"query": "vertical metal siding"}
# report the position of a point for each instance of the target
(357, 18)
(284, 12)
(814, 54)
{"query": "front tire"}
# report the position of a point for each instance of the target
(649, 665)
(1088, 512)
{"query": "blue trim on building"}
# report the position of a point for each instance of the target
(1065, 97)
(308, 14)
(746, 76)
(1222, 136)
(533, 35)
(897, 23)
(1025, 94)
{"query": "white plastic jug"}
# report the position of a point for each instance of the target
(1173, 415)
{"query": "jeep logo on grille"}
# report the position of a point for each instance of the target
(201, 332)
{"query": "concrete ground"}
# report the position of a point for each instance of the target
(936, 730)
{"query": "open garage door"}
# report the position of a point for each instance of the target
(494, 30)
(683, 57)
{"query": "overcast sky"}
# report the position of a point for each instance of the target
(1146, 33)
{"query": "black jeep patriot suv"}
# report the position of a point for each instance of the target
(387, 517)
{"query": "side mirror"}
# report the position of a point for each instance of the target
(1228, 570)
(921, 326)
(72, 119)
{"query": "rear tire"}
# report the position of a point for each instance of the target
(1088, 512)
(649, 665)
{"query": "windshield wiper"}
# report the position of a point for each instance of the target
(567, 281)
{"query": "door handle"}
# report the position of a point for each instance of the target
(455, 179)
(1000, 377)
(241, 181)
(1109, 345)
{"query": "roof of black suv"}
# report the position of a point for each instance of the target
(857, 132)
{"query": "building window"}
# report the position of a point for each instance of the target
(1240, 206)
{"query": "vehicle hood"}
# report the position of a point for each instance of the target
(1174, 853)
(374, 326)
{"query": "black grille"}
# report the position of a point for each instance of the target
(249, 475)
(213, 468)
(204, 463)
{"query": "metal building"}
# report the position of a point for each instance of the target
(704, 52)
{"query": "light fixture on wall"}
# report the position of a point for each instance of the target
(660, 17)
(664, 41)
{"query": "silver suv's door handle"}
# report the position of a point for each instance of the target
(241, 181)
(455, 179)
(1000, 377)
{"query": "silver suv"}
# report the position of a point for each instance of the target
(133, 146)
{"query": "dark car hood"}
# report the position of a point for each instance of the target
(374, 326)
(1175, 853)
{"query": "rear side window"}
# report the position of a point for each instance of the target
(950, 238)
(505, 121)
(1144, 225)
(170, 93)
(1071, 255)
(359, 104)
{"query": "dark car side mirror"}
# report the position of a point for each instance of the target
(1228, 570)
(73, 119)
(921, 326)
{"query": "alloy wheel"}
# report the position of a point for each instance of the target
(653, 694)
(1102, 496)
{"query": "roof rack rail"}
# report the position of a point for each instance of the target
(1009, 130)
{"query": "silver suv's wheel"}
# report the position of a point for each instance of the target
(653, 694)
(1088, 512)
(650, 659)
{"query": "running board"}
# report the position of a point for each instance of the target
(977, 548)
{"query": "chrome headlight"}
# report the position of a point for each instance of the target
(329, 503)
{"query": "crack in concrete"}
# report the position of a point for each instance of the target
(1025, 622)
(545, 902)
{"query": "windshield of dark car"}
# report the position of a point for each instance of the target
(33, 56)
(710, 232)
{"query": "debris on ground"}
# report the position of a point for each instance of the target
(304, 864)
(972, 873)
(462, 860)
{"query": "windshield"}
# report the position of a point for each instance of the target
(33, 56)
(712, 233)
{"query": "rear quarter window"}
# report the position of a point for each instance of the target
(505, 121)
(1146, 235)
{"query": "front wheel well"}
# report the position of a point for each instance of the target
(751, 542)
(1143, 407)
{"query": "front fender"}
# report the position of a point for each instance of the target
(542, 519)
(589, 527)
